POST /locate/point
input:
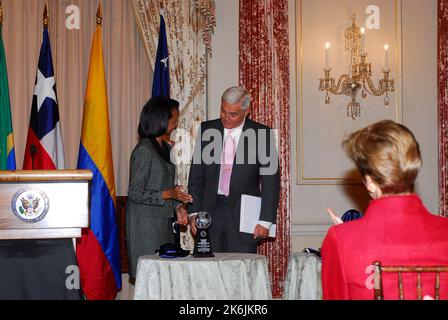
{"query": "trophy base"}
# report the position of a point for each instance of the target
(203, 246)
(203, 255)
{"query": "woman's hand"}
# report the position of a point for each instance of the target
(177, 194)
(334, 217)
(193, 228)
(182, 215)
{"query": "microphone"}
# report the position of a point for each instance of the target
(33, 151)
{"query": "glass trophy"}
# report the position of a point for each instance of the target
(202, 246)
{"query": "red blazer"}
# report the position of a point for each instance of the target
(395, 230)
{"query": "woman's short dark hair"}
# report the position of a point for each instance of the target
(155, 116)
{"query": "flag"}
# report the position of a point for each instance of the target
(7, 154)
(98, 250)
(44, 148)
(161, 86)
(161, 80)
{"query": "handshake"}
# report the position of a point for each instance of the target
(178, 194)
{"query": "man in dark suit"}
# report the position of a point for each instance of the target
(234, 156)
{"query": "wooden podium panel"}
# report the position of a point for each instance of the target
(44, 204)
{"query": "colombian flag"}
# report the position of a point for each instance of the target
(98, 250)
(7, 155)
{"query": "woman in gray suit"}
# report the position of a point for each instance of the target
(153, 199)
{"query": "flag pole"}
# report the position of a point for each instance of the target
(46, 19)
(1, 14)
(162, 8)
(99, 16)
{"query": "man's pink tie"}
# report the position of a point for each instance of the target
(227, 159)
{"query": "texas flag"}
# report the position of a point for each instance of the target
(44, 148)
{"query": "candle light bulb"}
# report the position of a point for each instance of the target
(386, 63)
(327, 55)
(363, 31)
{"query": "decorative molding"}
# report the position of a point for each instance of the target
(318, 229)
(264, 71)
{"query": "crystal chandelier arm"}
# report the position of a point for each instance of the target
(372, 89)
(365, 87)
(340, 87)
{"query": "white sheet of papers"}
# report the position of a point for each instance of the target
(250, 215)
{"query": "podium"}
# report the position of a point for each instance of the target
(40, 213)
(44, 204)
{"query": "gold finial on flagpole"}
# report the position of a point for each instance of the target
(1, 14)
(162, 8)
(99, 15)
(46, 19)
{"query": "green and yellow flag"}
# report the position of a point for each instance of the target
(7, 154)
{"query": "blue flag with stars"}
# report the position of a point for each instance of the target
(161, 81)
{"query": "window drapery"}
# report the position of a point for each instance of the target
(264, 71)
(443, 105)
(189, 26)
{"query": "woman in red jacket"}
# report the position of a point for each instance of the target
(396, 229)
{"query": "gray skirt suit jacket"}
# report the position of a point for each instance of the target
(148, 216)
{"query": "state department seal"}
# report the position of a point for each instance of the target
(30, 205)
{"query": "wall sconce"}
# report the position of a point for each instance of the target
(359, 76)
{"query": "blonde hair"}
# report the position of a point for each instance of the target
(388, 153)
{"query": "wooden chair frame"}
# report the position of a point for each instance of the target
(378, 283)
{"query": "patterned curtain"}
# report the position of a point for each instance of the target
(190, 25)
(264, 71)
(443, 105)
